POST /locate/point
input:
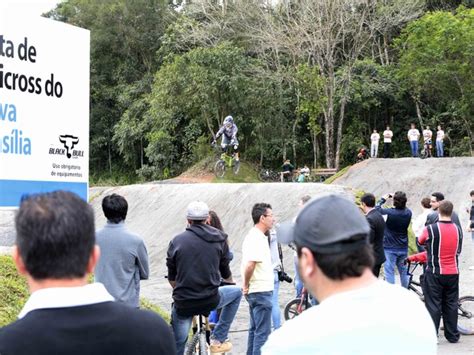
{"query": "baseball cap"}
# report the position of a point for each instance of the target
(197, 211)
(328, 225)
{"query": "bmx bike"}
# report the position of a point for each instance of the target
(465, 303)
(226, 161)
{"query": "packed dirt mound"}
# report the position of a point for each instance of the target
(454, 177)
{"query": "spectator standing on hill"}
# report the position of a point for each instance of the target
(395, 241)
(387, 142)
(197, 259)
(257, 276)
(124, 259)
(435, 200)
(440, 142)
(377, 227)
(374, 144)
(443, 242)
(418, 223)
(427, 140)
(55, 249)
(413, 137)
(335, 261)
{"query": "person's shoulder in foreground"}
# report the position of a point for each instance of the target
(55, 249)
(357, 314)
(378, 319)
(97, 329)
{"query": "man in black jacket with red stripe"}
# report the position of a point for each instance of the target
(443, 241)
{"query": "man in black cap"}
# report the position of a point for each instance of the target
(357, 313)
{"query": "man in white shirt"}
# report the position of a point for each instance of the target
(387, 141)
(440, 142)
(418, 223)
(257, 275)
(335, 261)
(427, 141)
(413, 136)
(374, 144)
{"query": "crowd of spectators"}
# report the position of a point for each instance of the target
(337, 259)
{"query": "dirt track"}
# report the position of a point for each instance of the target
(156, 212)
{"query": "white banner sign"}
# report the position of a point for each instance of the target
(44, 108)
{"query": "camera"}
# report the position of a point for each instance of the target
(283, 276)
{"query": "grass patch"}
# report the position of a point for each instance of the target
(337, 175)
(247, 173)
(14, 293)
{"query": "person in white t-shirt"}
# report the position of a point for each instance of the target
(413, 136)
(357, 314)
(427, 140)
(440, 142)
(387, 142)
(257, 275)
(374, 144)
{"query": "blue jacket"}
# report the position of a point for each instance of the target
(396, 226)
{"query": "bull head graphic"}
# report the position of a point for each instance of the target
(69, 143)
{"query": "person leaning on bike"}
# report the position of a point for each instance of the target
(443, 241)
(228, 131)
(196, 261)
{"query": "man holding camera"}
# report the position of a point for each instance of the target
(257, 275)
(279, 275)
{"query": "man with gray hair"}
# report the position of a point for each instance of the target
(197, 259)
(335, 261)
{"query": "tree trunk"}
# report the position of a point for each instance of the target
(418, 110)
(339, 130)
(329, 124)
(314, 139)
(141, 152)
(109, 150)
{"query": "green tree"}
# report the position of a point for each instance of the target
(436, 63)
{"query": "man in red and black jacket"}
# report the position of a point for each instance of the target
(443, 241)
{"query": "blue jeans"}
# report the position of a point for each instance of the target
(260, 306)
(229, 303)
(396, 257)
(414, 148)
(298, 281)
(439, 149)
(276, 316)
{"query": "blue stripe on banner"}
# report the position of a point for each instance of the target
(11, 191)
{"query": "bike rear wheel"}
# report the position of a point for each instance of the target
(294, 308)
(219, 169)
(466, 315)
(198, 345)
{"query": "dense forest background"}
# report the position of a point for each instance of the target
(306, 80)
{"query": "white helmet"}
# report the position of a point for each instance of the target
(228, 120)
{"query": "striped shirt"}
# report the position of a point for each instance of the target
(443, 241)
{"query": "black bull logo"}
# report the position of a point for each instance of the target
(69, 143)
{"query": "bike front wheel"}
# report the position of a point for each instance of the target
(294, 308)
(236, 167)
(219, 169)
(466, 315)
